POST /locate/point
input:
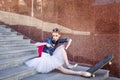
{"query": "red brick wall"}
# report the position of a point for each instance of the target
(76, 14)
(30, 32)
(106, 19)
(107, 34)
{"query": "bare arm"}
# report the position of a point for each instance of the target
(40, 43)
(69, 42)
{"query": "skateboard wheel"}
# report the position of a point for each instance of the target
(110, 63)
(93, 75)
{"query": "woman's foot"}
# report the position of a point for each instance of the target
(71, 66)
(85, 74)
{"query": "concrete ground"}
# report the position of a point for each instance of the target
(113, 78)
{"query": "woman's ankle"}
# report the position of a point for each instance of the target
(70, 66)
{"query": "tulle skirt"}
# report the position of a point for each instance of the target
(47, 63)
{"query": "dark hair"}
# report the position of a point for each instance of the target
(56, 30)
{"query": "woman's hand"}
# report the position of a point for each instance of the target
(39, 44)
(48, 45)
(42, 43)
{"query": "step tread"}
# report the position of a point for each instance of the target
(16, 61)
(16, 70)
(18, 37)
(13, 40)
(3, 35)
(19, 47)
(14, 51)
(8, 33)
(23, 57)
(14, 45)
(2, 25)
(11, 36)
(3, 28)
(42, 76)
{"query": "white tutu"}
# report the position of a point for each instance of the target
(47, 63)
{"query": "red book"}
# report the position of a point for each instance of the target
(40, 49)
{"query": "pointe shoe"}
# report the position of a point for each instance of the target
(72, 66)
(86, 74)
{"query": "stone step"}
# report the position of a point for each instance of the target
(113, 78)
(5, 29)
(45, 76)
(56, 75)
(9, 42)
(2, 25)
(17, 73)
(16, 61)
(17, 47)
(19, 37)
(15, 53)
(4, 36)
(8, 33)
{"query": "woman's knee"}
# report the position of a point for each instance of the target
(61, 68)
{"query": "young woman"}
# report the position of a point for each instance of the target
(53, 57)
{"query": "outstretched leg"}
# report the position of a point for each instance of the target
(67, 71)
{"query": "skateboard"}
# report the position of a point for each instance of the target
(106, 60)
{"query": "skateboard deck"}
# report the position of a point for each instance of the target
(107, 59)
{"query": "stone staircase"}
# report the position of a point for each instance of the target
(15, 50)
